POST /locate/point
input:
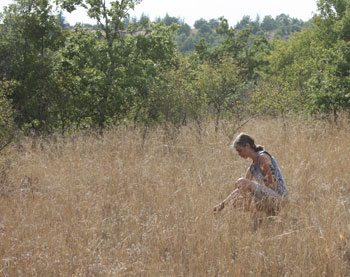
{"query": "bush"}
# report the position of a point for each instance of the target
(7, 126)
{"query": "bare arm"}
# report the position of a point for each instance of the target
(220, 206)
(265, 163)
(232, 194)
(249, 174)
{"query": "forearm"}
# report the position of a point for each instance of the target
(220, 206)
(232, 194)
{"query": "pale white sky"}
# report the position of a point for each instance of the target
(192, 10)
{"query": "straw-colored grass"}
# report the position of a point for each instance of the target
(124, 206)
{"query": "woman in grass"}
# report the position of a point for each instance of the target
(268, 191)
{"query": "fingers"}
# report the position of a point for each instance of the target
(219, 207)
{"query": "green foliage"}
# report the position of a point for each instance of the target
(271, 98)
(169, 20)
(173, 99)
(7, 126)
(151, 56)
(330, 86)
(28, 39)
(293, 62)
(186, 38)
(316, 61)
(125, 70)
(281, 26)
(138, 61)
(99, 62)
(246, 50)
(80, 78)
(222, 87)
(268, 24)
(333, 21)
(204, 31)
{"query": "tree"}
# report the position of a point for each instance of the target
(316, 61)
(246, 50)
(330, 86)
(205, 29)
(293, 62)
(112, 43)
(62, 21)
(185, 29)
(245, 22)
(214, 23)
(29, 37)
(80, 78)
(144, 20)
(7, 126)
(333, 21)
(168, 20)
(185, 44)
(221, 85)
(199, 23)
(140, 54)
(268, 23)
(150, 55)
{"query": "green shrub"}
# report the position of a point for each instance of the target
(7, 126)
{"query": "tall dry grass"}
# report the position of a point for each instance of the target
(124, 206)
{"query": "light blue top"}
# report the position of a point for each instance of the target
(276, 173)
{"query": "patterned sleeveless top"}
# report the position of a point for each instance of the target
(276, 173)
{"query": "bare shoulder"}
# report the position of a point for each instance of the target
(264, 158)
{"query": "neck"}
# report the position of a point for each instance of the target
(253, 155)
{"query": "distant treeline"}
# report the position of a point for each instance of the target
(282, 26)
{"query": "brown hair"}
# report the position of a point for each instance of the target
(242, 139)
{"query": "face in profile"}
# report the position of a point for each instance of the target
(242, 151)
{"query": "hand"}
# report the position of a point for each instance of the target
(219, 207)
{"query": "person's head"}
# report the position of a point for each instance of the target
(244, 145)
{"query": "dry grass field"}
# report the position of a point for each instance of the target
(124, 206)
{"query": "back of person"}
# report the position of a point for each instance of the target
(257, 172)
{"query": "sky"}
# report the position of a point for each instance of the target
(192, 10)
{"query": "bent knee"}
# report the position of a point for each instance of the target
(241, 181)
(244, 184)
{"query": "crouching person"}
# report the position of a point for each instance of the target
(268, 190)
